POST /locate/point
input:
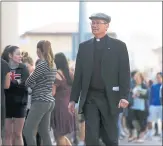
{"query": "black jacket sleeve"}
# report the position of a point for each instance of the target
(124, 72)
(77, 83)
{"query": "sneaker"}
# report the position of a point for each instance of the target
(123, 133)
(121, 137)
(139, 141)
(148, 136)
(81, 143)
(126, 131)
(131, 139)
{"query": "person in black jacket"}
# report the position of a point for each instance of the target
(102, 81)
(16, 96)
(5, 84)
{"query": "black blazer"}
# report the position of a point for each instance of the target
(115, 71)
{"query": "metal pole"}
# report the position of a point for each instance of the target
(82, 28)
(82, 20)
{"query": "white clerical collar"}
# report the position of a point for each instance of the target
(97, 40)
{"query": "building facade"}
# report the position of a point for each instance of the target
(63, 37)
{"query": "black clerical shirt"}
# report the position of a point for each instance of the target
(96, 80)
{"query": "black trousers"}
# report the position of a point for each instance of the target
(140, 117)
(129, 119)
(99, 122)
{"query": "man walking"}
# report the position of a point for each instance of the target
(102, 80)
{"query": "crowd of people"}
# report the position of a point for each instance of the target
(37, 96)
(38, 99)
(145, 109)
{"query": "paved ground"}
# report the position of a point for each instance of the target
(155, 142)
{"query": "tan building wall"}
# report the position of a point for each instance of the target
(60, 43)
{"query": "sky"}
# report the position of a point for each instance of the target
(130, 15)
(128, 18)
(139, 24)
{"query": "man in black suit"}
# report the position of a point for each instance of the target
(102, 80)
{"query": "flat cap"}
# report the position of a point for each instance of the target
(101, 16)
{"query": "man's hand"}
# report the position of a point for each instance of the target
(71, 107)
(123, 103)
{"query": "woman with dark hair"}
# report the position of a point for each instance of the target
(62, 120)
(42, 104)
(16, 96)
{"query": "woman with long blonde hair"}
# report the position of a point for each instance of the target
(28, 61)
(41, 82)
(139, 107)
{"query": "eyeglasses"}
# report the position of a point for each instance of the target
(97, 23)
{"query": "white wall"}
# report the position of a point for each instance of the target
(9, 24)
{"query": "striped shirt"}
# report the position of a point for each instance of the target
(41, 81)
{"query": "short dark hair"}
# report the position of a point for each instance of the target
(159, 73)
(150, 83)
